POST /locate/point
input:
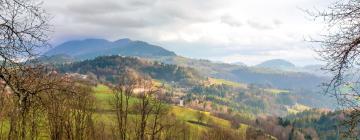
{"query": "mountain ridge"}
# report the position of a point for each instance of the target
(92, 48)
(276, 64)
(237, 73)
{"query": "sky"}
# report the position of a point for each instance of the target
(247, 31)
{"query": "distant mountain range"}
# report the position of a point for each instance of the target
(284, 65)
(239, 63)
(276, 73)
(92, 48)
(277, 64)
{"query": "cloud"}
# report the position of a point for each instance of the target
(231, 21)
(194, 28)
(259, 25)
(95, 8)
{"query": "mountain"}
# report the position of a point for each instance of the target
(315, 69)
(250, 75)
(233, 92)
(188, 82)
(276, 64)
(92, 48)
(265, 74)
(56, 59)
(239, 63)
(280, 79)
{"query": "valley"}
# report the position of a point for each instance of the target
(179, 70)
(232, 97)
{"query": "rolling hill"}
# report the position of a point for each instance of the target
(190, 85)
(264, 74)
(276, 64)
(110, 68)
(92, 48)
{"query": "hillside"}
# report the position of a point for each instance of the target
(249, 75)
(263, 76)
(193, 70)
(276, 64)
(235, 106)
(221, 99)
(111, 68)
(190, 85)
(56, 59)
(92, 48)
(188, 118)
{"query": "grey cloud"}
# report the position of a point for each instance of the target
(94, 8)
(135, 13)
(230, 21)
(114, 21)
(143, 3)
(150, 20)
(259, 25)
(277, 22)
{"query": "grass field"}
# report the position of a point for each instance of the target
(244, 86)
(276, 91)
(104, 95)
(298, 108)
(226, 82)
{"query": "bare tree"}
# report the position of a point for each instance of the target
(5, 107)
(26, 87)
(23, 29)
(144, 106)
(82, 106)
(57, 103)
(159, 122)
(341, 52)
(122, 94)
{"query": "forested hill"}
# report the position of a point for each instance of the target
(109, 68)
(79, 50)
(92, 48)
(250, 75)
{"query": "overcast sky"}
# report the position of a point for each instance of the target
(248, 31)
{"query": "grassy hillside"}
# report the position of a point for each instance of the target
(226, 82)
(104, 95)
(190, 84)
(220, 101)
(92, 48)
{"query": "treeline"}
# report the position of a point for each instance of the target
(314, 124)
(252, 100)
(328, 125)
